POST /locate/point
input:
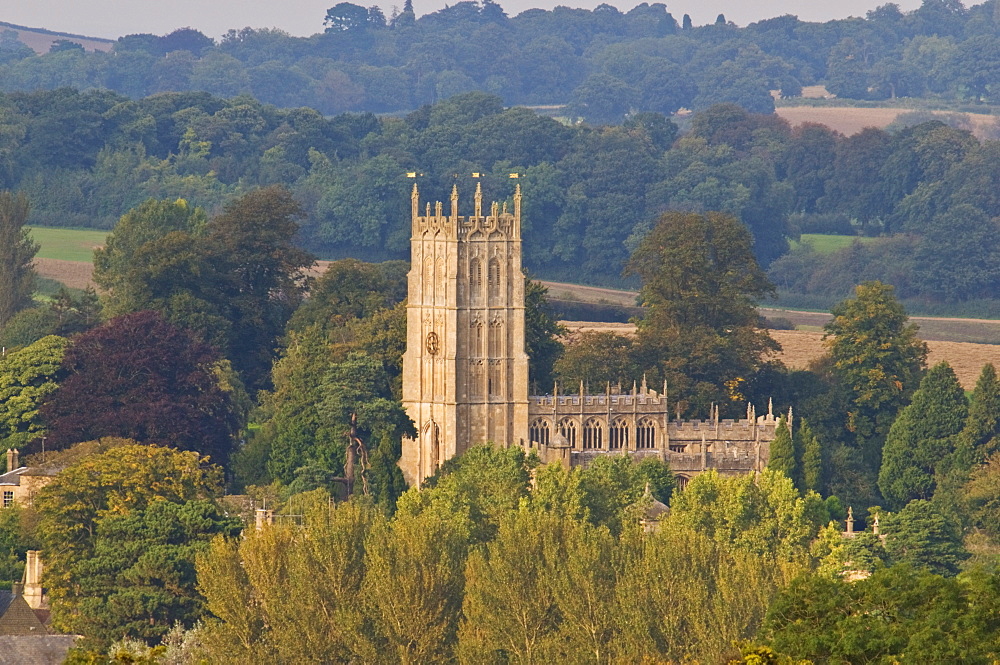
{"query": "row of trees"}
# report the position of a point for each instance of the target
(497, 560)
(604, 62)
(86, 159)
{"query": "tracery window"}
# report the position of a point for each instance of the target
(476, 280)
(496, 339)
(478, 348)
(477, 378)
(427, 284)
(494, 282)
(619, 435)
(645, 434)
(538, 432)
(593, 434)
(567, 429)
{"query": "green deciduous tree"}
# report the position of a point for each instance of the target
(251, 243)
(481, 485)
(896, 614)
(291, 594)
(922, 437)
(117, 269)
(541, 335)
(123, 481)
(350, 289)
(414, 583)
(597, 358)
(878, 359)
(17, 253)
(766, 517)
(27, 377)
(292, 424)
(701, 284)
(65, 315)
(509, 610)
(707, 597)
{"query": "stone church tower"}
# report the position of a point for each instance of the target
(465, 370)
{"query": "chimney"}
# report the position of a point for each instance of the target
(12, 459)
(263, 516)
(33, 593)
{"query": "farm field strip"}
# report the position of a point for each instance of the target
(800, 347)
(850, 120)
(827, 244)
(66, 255)
(67, 244)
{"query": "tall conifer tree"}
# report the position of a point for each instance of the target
(812, 458)
(981, 435)
(922, 436)
(783, 451)
(17, 251)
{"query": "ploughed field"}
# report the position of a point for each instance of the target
(850, 120)
(66, 254)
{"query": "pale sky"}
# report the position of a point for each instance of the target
(114, 18)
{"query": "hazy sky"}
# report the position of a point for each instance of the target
(113, 18)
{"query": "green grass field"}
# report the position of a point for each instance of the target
(824, 244)
(67, 244)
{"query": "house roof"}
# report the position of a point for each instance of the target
(34, 649)
(16, 617)
(12, 477)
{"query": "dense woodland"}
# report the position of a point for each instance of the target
(603, 63)
(85, 159)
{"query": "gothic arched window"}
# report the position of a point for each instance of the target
(593, 434)
(478, 346)
(476, 280)
(567, 429)
(645, 434)
(538, 432)
(619, 435)
(427, 284)
(496, 339)
(494, 282)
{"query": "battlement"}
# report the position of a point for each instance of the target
(653, 399)
(499, 224)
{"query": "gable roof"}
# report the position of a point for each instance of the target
(12, 477)
(17, 618)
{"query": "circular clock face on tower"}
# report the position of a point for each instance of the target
(432, 343)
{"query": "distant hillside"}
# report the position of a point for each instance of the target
(40, 39)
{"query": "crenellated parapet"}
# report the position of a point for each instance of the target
(576, 428)
(498, 224)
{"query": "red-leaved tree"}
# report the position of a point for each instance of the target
(141, 378)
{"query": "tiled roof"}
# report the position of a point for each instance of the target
(34, 649)
(12, 477)
(16, 618)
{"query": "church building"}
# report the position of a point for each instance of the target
(465, 370)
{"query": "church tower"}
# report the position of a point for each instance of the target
(465, 370)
